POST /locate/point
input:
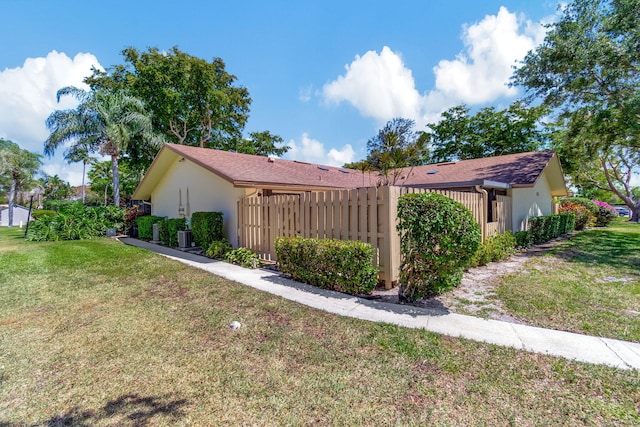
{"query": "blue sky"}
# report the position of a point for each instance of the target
(323, 75)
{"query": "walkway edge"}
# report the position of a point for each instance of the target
(582, 348)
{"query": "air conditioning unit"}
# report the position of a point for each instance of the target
(185, 238)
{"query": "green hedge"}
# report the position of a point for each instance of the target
(340, 265)
(438, 237)
(206, 228)
(35, 214)
(169, 228)
(547, 227)
(145, 225)
(496, 248)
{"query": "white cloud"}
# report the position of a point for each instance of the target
(28, 96)
(492, 47)
(378, 85)
(313, 151)
(382, 87)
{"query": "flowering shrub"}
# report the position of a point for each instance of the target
(583, 209)
(605, 214)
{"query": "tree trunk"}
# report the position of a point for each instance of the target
(116, 180)
(84, 168)
(12, 196)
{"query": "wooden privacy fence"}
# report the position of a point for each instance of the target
(366, 214)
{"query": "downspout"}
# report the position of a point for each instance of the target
(483, 219)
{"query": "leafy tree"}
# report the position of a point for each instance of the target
(101, 179)
(193, 101)
(55, 188)
(588, 70)
(17, 169)
(396, 146)
(459, 136)
(104, 121)
(262, 144)
(80, 152)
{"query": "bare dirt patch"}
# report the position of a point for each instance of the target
(476, 295)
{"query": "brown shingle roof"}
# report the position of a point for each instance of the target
(516, 170)
(247, 169)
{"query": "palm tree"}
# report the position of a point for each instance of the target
(17, 168)
(80, 152)
(105, 122)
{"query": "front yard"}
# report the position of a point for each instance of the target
(99, 333)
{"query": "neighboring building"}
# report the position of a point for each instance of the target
(183, 179)
(20, 215)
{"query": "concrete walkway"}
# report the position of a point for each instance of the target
(584, 348)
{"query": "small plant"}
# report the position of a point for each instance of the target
(495, 248)
(218, 249)
(524, 239)
(244, 257)
(169, 228)
(584, 209)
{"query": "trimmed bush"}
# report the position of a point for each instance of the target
(206, 228)
(145, 225)
(244, 257)
(339, 265)
(438, 237)
(169, 228)
(547, 227)
(496, 248)
(218, 249)
(605, 214)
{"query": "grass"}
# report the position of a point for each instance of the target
(589, 284)
(98, 333)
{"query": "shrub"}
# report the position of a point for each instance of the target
(605, 214)
(438, 237)
(206, 228)
(547, 227)
(495, 248)
(145, 225)
(244, 257)
(74, 221)
(524, 239)
(42, 212)
(584, 209)
(339, 265)
(218, 249)
(169, 228)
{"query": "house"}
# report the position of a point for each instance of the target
(531, 180)
(183, 179)
(20, 215)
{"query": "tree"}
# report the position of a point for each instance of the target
(396, 146)
(193, 101)
(262, 144)
(80, 152)
(17, 169)
(588, 70)
(101, 178)
(55, 188)
(106, 121)
(488, 133)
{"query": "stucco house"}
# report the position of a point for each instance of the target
(183, 179)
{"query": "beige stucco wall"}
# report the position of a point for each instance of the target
(206, 193)
(528, 202)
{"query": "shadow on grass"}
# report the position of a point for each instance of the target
(136, 410)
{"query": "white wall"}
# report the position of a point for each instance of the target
(20, 215)
(528, 202)
(206, 193)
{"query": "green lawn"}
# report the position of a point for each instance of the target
(98, 333)
(589, 284)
